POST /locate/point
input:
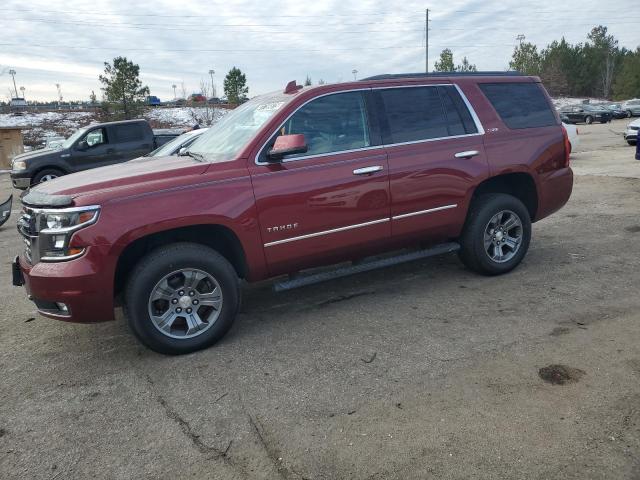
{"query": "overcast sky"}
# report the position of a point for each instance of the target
(49, 42)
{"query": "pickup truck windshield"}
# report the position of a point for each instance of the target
(72, 139)
(224, 140)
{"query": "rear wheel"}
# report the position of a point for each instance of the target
(496, 234)
(629, 114)
(588, 120)
(181, 298)
(46, 175)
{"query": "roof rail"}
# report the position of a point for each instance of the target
(391, 76)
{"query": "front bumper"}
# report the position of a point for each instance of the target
(84, 289)
(631, 134)
(20, 182)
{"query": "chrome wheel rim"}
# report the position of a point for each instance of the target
(46, 178)
(185, 303)
(503, 236)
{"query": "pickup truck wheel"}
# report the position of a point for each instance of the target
(181, 298)
(588, 120)
(46, 175)
(496, 234)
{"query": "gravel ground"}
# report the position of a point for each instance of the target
(418, 371)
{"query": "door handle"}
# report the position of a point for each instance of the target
(467, 154)
(367, 170)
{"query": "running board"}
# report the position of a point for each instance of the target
(310, 279)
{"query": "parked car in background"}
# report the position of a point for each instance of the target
(616, 110)
(631, 134)
(197, 98)
(18, 105)
(574, 135)
(632, 107)
(174, 146)
(585, 114)
(431, 165)
(90, 147)
(153, 101)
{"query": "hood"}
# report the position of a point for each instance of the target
(38, 153)
(635, 123)
(136, 176)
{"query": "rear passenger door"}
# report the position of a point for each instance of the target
(436, 157)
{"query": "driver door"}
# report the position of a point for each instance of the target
(331, 203)
(91, 151)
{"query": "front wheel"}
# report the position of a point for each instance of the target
(496, 234)
(629, 114)
(181, 298)
(46, 175)
(588, 120)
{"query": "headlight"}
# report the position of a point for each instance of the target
(57, 228)
(19, 165)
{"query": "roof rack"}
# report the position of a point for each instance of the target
(391, 76)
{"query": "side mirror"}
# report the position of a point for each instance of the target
(82, 146)
(182, 151)
(287, 145)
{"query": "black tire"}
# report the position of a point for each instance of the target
(43, 175)
(588, 120)
(473, 253)
(631, 142)
(163, 261)
(629, 114)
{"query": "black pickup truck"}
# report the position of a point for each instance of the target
(90, 147)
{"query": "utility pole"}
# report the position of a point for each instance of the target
(212, 72)
(426, 41)
(12, 72)
(355, 74)
(174, 91)
(520, 38)
(22, 91)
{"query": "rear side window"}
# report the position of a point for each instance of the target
(413, 114)
(128, 133)
(520, 105)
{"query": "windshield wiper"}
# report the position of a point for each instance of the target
(196, 156)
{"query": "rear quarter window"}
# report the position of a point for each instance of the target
(520, 105)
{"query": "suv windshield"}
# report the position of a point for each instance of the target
(224, 140)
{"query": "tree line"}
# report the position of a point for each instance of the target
(598, 67)
(125, 95)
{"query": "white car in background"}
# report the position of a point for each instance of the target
(574, 138)
(174, 146)
(631, 135)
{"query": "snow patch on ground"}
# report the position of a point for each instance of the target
(184, 116)
(27, 120)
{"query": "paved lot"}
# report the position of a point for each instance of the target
(418, 371)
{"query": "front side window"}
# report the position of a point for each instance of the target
(331, 124)
(95, 137)
(413, 114)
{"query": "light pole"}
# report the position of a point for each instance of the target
(355, 74)
(22, 91)
(174, 91)
(12, 72)
(213, 88)
(520, 38)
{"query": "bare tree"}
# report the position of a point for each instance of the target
(205, 115)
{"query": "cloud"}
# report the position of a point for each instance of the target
(273, 42)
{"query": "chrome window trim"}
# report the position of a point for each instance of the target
(472, 111)
(326, 232)
(422, 212)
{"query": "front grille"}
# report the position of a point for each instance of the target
(28, 230)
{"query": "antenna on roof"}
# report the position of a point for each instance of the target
(292, 87)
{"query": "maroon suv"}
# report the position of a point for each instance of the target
(293, 180)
